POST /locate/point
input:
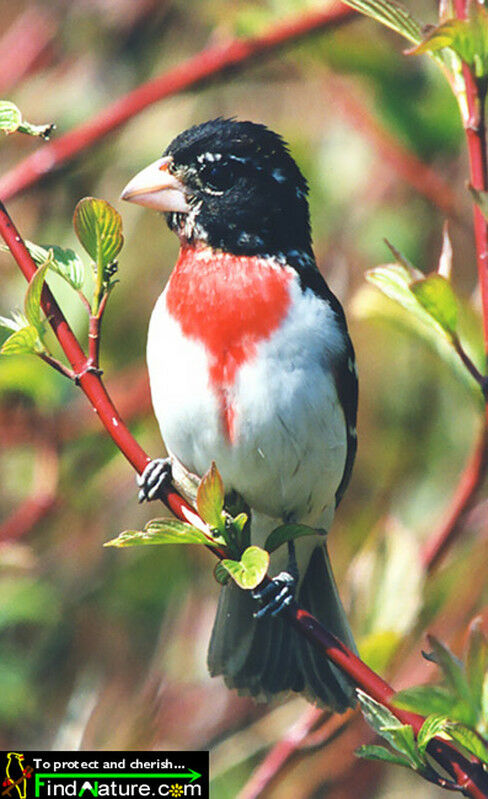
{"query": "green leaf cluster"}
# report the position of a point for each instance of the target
(468, 38)
(99, 228)
(230, 534)
(28, 327)
(430, 310)
(457, 710)
(11, 122)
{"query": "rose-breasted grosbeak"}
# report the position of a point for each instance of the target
(251, 366)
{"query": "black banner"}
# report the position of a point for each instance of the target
(29, 775)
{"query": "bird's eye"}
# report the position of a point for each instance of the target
(218, 176)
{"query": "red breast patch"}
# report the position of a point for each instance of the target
(230, 303)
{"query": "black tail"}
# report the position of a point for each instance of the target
(265, 657)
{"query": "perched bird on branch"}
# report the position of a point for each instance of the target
(251, 366)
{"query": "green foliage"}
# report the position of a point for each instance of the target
(391, 14)
(399, 736)
(426, 700)
(11, 122)
(23, 341)
(432, 311)
(287, 532)
(435, 294)
(28, 330)
(454, 711)
(163, 531)
(375, 752)
(250, 570)
(468, 38)
(65, 262)
(210, 499)
(99, 228)
(32, 302)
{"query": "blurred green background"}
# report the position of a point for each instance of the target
(106, 649)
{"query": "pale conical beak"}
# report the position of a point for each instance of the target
(157, 188)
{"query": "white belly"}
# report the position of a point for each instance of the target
(289, 449)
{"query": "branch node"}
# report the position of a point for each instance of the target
(89, 368)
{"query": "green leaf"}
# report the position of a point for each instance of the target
(221, 574)
(99, 228)
(468, 739)
(476, 660)
(66, 263)
(23, 342)
(454, 673)
(425, 700)
(391, 14)
(10, 117)
(484, 701)
(377, 715)
(250, 570)
(161, 531)
(435, 294)
(468, 38)
(394, 281)
(32, 303)
(432, 726)
(399, 736)
(373, 752)
(210, 499)
(11, 121)
(287, 532)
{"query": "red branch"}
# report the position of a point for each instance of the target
(469, 775)
(475, 129)
(414, 171)
(475, 471)
(210, 63)
(22, 45)
(460, 504)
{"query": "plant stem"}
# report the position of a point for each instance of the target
(470, 366)
(475, 129)
(463, 499)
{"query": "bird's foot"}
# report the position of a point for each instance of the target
(276, 595)
(156, 476)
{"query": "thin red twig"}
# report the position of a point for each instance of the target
(210, 63)
(475, 471)
(461, 502)
(475, 129)
(280, 754)
(22, 44)
(467, 774)
(405, 163)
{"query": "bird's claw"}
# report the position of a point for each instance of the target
(154, 478)
(276, 595)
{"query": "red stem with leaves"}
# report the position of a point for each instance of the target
(475, 470)
(470, 776)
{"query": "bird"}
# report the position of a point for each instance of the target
(16, 775)
(251, 367)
